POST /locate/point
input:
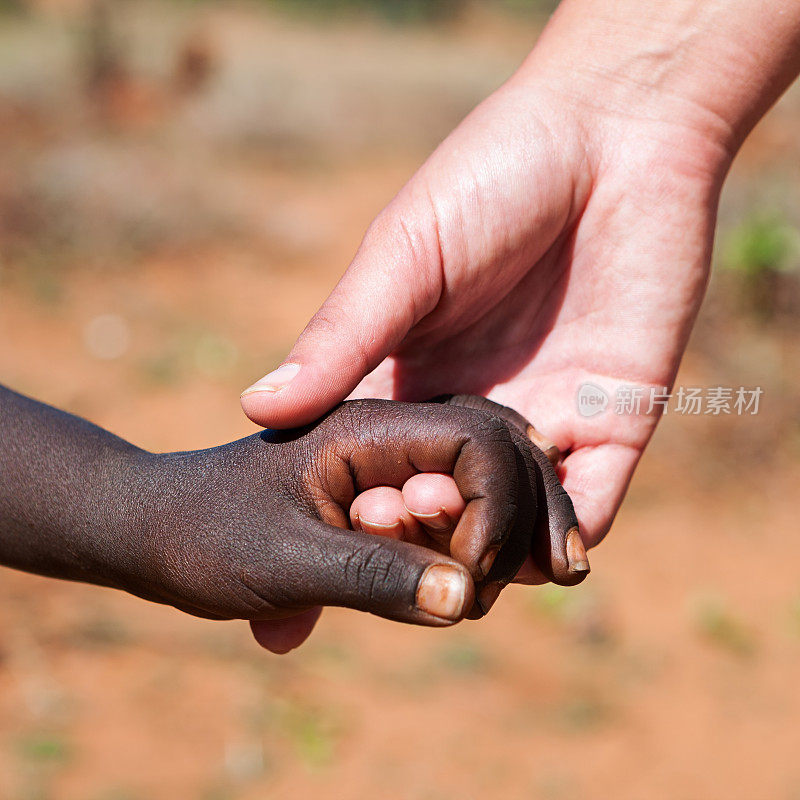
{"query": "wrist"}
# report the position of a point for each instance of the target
(698, 75)
(122, 551)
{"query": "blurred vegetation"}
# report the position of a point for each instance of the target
(718, 625)
(763, 253)
(424, 11)
(760, 244)
(465, 657)
(96, 109)
(583, 712)
(393, 10)
(133, 134)
(579, 611)
(45, 748)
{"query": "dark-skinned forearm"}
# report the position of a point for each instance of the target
(68, 494)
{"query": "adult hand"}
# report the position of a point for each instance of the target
(561, 234)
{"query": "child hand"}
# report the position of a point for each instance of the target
(253, 529)
(427, 512)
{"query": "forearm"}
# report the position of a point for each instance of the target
(68, 494)
(714, 67)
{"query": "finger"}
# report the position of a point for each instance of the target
(544, 444)
(434, 501)
(382, 512)
(597, 479)
(481, 403)
(279, 636)
(512, 417)
(329, 566)
(475, 448)
(556, 546)
(500, 567)
(392, 283)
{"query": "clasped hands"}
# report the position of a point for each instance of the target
(275, 526)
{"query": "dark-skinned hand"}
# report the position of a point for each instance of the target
(428, 509)
(256, 529)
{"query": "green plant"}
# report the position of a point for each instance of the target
(13, 6)
(553, 602)
(312, 732)
(720, 627)
(398, 11)
(577, 610)
(763, 253)
(761, 243)
(465, 657)
(44, 748)
(101, 631)
(583, 711)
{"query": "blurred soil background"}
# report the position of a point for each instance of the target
(181, 183)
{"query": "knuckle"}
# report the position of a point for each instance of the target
(329, 322)
(491, 430)
(413, 234)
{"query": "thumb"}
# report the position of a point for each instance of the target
(393, 282)
(387, 577)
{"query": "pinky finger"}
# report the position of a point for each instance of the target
(280, 636)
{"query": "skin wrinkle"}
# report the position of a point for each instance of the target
(362, 349)
(472, 200)
(430, 266)
(437, 238)
(445, 323)
(713, 124)
(737, 62)
(379, 572)
(406, 228)
(320, 489)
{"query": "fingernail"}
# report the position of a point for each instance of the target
(488, 560)
(442, 591)
(275, 381)
(545, 445)
(393, 530)
(439, 521)
(576, 552)
(553, 455)
(488, 595)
